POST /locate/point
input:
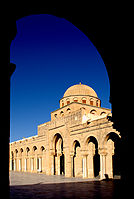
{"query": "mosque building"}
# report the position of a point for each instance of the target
(79, 141)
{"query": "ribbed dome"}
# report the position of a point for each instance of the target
(80, 89)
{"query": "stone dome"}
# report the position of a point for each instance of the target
(80, 89)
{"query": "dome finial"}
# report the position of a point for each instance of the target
(80, 83)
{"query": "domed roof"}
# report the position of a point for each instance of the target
(80, 89)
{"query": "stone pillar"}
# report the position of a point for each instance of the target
(11, 165)
(14, 164)
(44, 163)
(58, 164)
(78, 163)
(40, 164)
(50, 166)
(84, 166)
(72, 166)
(67, 162)
(90, 160)
(35, 163)
(25, 164)
(109, 165)
(20, 164)
(102, 166)
(90, 166)
(109, 158)
(32, 164)
(50, 162)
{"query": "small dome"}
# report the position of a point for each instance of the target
(80, 89)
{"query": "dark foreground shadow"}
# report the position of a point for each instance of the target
(96, 190)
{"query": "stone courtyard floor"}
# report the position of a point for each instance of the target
(41, 186)
(23, 178)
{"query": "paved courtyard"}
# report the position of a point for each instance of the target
(22, 178)
(40, 186)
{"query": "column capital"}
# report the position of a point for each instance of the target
(59, 154)
(84, 153)
(52, 152)
(102, 151)
(71, 153)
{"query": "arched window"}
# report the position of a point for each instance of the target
(55, 115)
(27, 150)
(68, 110)
(68, 101)
(21, 150)
(91, 102)
(42, 148)
(75, 99)
(97, 103)
(34, 148)
(83, 100)
(103, 113)
(82, 108)
(16, 152)
(62, 103)
(93, 111)
(62, 113)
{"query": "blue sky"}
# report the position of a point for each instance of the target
(50, 54)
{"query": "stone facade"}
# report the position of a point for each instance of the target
(77, 142)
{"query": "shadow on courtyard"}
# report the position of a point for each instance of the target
(97, 189)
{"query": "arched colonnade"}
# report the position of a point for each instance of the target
(28, 159)
(87, 158)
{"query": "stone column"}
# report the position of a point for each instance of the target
(44, 163)
(90, 166)
(50, 163)
(58, 164)
(67, 162)
(109, 158)
(17, 166)
(14, 164)
(84, 166)
(90, 159)
(40, 164)
(25, 164)
(11, 165)
(50, 170)
(109, 165)
(32, 164)
(72, 164)
(20, 164)
(102, 165)
(35, 163)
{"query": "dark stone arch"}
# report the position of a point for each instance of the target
(96, 157)
(117, 153)
(76, 144)
(107, 32)
(34, 148)
(56, 138)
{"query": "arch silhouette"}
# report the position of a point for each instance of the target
(116, 156)
(91, 138)
(112, 135)
(105, 36)
(59, 163)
